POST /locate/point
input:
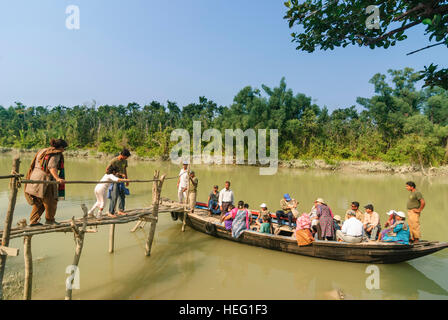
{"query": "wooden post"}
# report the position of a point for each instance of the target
(28, 257)
(156, 191)
(9, 216)
(111, 238)
(187, 201)
(79, 239)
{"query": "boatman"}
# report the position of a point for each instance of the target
(182, 182)
(415, 205)
(225, 198)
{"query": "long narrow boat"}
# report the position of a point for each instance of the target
(365, 252)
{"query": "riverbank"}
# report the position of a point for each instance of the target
(346, 166)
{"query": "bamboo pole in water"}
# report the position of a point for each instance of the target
(9, 216)
(186, 200)
(28, 257)
(79, 240)
(156, 191)
(111, 238)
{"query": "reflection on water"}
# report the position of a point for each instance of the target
(192, 265)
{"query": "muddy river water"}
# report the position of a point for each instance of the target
(192, 265)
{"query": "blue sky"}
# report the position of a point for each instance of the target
(178, 50)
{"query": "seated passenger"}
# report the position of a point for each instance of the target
(351, 230)
(315, 227)
(371, 222)
(303, 232)
(227, 218)
(264, 212)
(213, 201)
(288, 205)
(355, 207)
(265, 227)
(389, 223)
(400, 232)
(337, 222)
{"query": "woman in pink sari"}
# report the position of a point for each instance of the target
(303, 232)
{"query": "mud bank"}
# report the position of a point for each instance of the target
(341, 166)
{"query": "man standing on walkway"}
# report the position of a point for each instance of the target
(118, 190)
(225, 198)
(415, 205)
(193, 191)
(182, 182)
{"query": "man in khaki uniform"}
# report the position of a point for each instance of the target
(415, 205)
(44, 197)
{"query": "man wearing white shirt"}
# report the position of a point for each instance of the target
(225, 198)
(351, 229)
(182, 183)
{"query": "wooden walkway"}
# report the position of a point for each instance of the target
(79, 226)
(144, 214)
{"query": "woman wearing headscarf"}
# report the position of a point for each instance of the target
(48, 165)
(389, 223)
(303, 233)
(325, 220)
(400, 232)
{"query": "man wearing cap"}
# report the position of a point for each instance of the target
(192, 191)
(182, 182)
(213, 201)
(415, 205)
(225, 198)
(351, 230)
(288, 205)
(371, 222)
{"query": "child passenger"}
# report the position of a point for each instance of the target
(265, 226)
(101, 191)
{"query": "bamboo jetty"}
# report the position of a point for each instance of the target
(78, 226)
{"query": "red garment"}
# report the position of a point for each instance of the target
(303, 222)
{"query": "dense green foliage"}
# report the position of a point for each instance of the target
(398, 124)
(329, 24)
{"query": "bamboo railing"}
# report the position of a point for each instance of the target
(79, 227)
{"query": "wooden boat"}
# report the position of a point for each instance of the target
(365, 252)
